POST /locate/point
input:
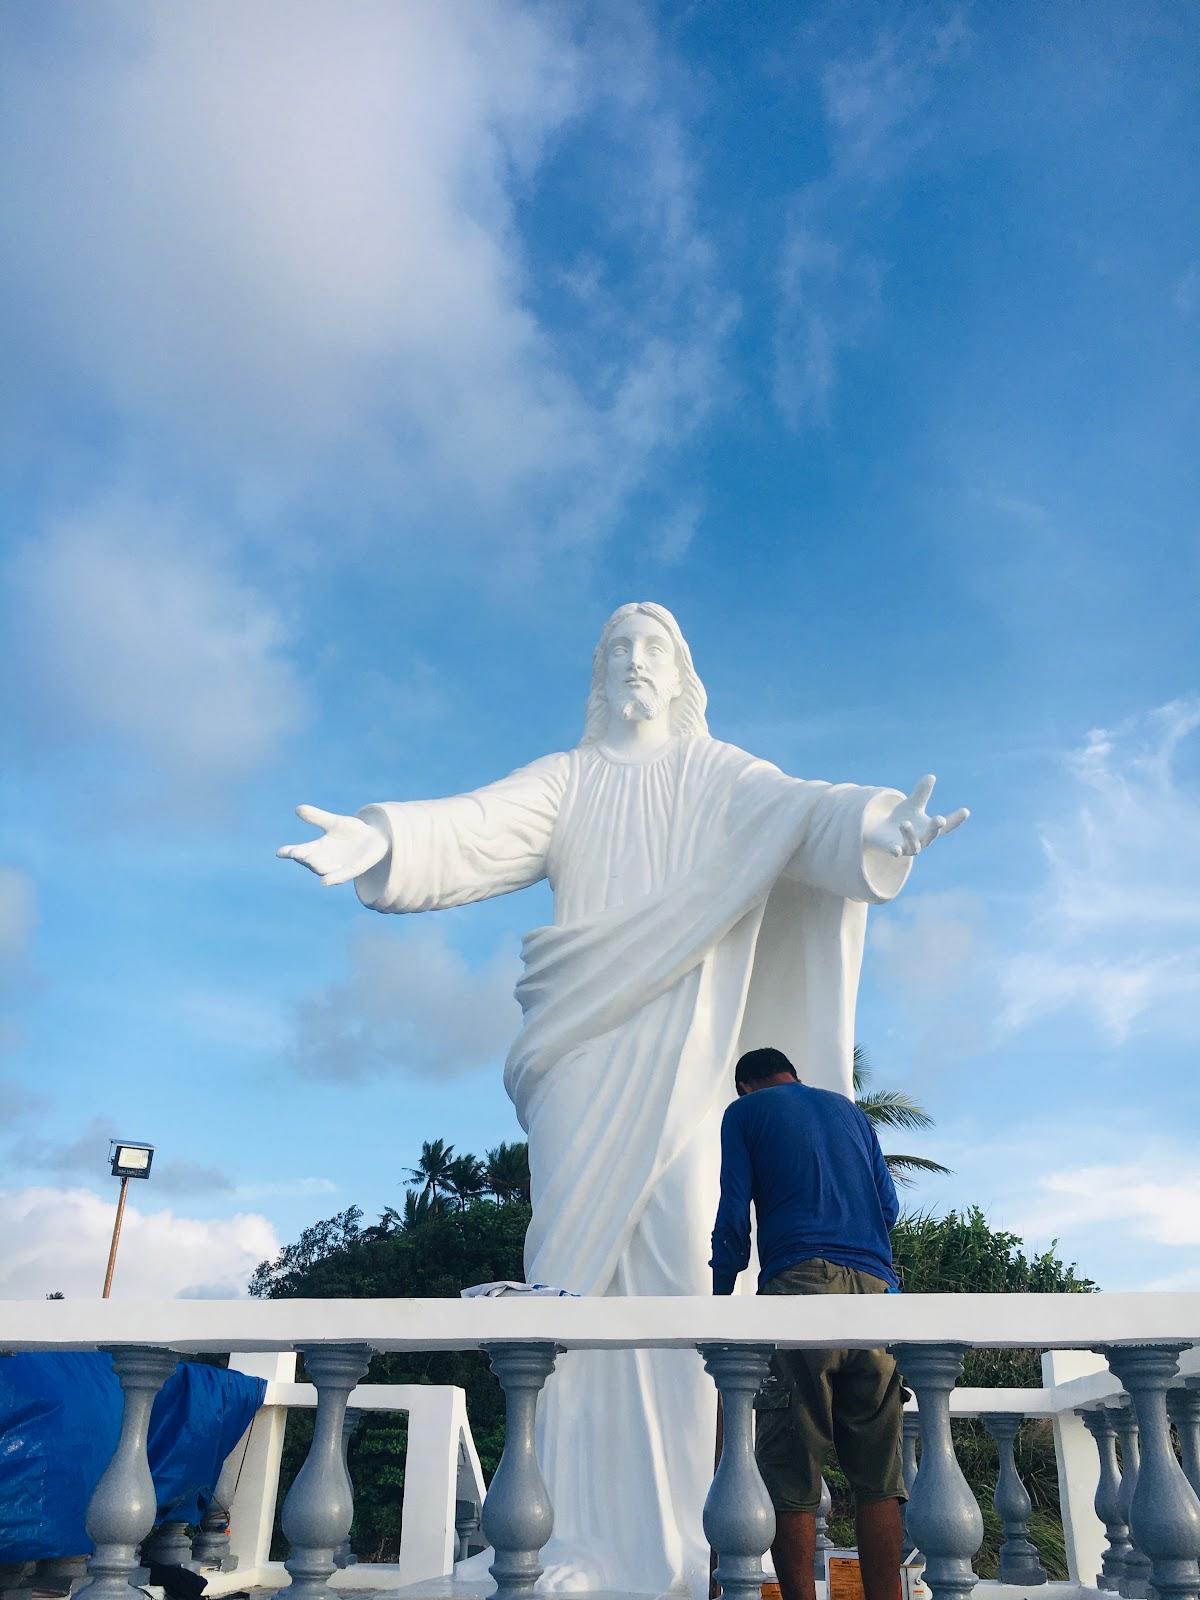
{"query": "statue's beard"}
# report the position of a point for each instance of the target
(642, 704)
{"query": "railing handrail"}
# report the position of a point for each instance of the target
(981, 1321)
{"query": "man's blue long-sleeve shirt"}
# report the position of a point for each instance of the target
(810, 1162)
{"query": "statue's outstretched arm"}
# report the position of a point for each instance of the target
(347, 847)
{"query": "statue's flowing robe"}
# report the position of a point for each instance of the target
(704, 904)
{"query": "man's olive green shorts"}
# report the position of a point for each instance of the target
(815, 1401)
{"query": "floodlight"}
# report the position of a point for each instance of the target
(127, 1160)
(130, 1160)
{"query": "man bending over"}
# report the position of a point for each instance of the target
(825, 1205)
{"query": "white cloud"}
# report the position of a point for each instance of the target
(411, 1004)
(288, 237)
(18, 919)
(1164, 1209)
(1116, 927)
(873, 100)
(1131, 1222)
(830, 299)
(58, 1239)
(130, 626)
(18, 914)
(830, 283)
(928, 953)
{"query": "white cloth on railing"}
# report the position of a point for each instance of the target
(491, 1291)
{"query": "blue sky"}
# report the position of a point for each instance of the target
(362, 358)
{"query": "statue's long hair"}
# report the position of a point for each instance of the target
(687, 710)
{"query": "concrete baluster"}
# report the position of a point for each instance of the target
(824, 1542)
(466, 1525)
(1183, 1408)
(1135, 1572)
(739, 1520)
(1099, 1423)
(517, 1515)
(168, 1545)
(943, 1518)
(344, 1556)
(1164, 1518)
(908, 1461)
(1019, 1560)
(211, 1546)
(319, 1507)
(122, 1509)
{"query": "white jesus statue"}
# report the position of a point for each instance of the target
(704, 904)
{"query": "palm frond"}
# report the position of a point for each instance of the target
(902, 1167)
(891, 1108)
(862, 1069)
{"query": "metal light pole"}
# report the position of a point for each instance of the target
(127, 1161)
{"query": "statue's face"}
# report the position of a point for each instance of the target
(642, 673)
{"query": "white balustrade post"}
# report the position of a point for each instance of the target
(254, 1492)
(739, 1519)
(823, 1541)
(518, 1518)
(319, 1507)
(1075, 1460)
(1019, 1560)
(1099, 1423)
(122, 1509)
(943, 1517)
(427, 1538)
(1164, 1516)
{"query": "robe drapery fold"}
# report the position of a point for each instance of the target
(705, 903)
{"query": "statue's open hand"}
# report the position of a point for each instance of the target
(909, 829)
(347, 846)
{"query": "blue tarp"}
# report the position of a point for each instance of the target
(60, 1417)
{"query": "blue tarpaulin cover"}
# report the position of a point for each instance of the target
(60, 1417)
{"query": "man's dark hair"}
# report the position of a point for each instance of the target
(756, 1065)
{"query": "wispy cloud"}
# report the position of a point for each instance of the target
(133, 623)
(410, 1004)
(325, 272)
(1116, 929)
(830, 277)
(18, 914)
(1111, 934)
(1132, 1222)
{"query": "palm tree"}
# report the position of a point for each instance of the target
(432, 1171)
(420, 1207)
(889, 1108)
(507, 1172)
(466, 1179)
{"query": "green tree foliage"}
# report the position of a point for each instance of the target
(430, 1250)
(507, 1172)
(432, 1172)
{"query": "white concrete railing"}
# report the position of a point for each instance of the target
(1149, 1339)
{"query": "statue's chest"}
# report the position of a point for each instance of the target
(617, 835)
